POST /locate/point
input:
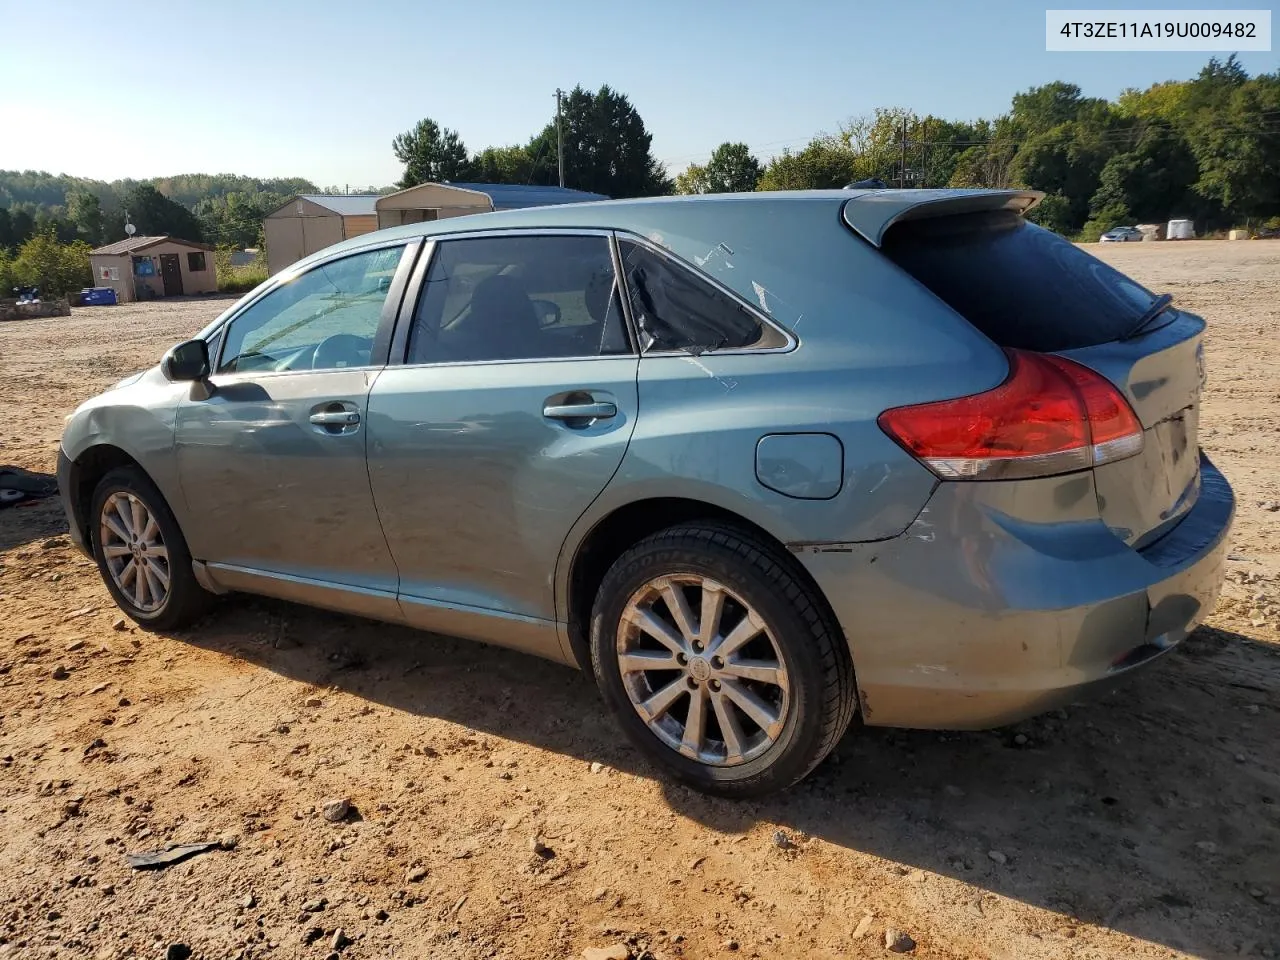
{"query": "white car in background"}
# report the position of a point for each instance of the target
(1121, 235)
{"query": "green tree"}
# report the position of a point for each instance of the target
(6, 234)
(1044, 108)
(156, 215)
(1152, 181)
(54, 267)
(23, 225)
(502, 165)
(84, 210)
(430, 154)
(825, 163)
(607, 148)
(8, 271)
(1237, 147)
(732, 169)
(693, 180)
(1053, 213)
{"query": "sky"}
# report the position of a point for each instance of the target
(318, 89)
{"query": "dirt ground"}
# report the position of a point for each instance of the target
(1144, 824)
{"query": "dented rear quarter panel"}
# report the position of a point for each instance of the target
(867, 337)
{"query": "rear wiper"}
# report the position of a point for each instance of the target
(1158, 306)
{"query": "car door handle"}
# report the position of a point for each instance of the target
(335, 418)
(600, 410)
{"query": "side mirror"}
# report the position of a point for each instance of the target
(185, 362)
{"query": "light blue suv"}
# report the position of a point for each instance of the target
(762, 463)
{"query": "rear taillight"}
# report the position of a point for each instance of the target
(1050, 415)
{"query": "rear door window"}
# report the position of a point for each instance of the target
(1023, 286)
(676, 310)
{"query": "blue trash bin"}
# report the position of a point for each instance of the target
(97, 297)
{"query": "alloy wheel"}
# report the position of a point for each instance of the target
(136, 556)
(712, 686)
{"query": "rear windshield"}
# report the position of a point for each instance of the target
(1021, 285)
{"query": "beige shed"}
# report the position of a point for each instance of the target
(429, 201)
(312, 222)
(141, 268)
(438, 201)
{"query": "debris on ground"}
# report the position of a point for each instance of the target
(897, 941)
(157, 859)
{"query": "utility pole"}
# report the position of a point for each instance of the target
(902, 169)
(559, 137)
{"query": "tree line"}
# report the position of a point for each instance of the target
(607, 149)
(219, 209)
(1207, 149)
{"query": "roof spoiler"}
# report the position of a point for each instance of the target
(871, 214)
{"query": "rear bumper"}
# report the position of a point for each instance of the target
(981, 614)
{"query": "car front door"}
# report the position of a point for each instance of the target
(510, 413)
(272, 454)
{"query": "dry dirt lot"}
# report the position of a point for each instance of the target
(1145, 824)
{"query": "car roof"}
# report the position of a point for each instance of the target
(641, 213)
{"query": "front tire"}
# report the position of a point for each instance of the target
(719, 661)
(141, 553)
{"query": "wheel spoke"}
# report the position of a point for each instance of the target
(126, 518)
(761, 714)
(113, 524)
(161, 575)
(748, 628)
(730, 729)
(154, 587)
(151, 531)
(658, 704)
(678, 605)
(712, 605)
(695, 724)
(113, 550)
(638, 661)
(764, 671)
(157, 551)
(139, 515)
(127, 573)
(140, 588)
(650, 624)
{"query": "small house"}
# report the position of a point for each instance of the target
(142, 268)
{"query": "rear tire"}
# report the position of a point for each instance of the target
(142, 554)
(743, 707)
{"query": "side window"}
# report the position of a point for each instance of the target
(519, 298)
(675, 310)
(323, 319)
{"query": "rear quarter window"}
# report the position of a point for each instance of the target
(1023, 286)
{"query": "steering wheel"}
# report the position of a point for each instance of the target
(342, 350)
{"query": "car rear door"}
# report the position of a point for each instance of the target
(271, 455)
(508, 410)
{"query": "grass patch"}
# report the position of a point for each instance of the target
(238, 279)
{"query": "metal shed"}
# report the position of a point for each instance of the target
(311, 222)
(437, 201)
